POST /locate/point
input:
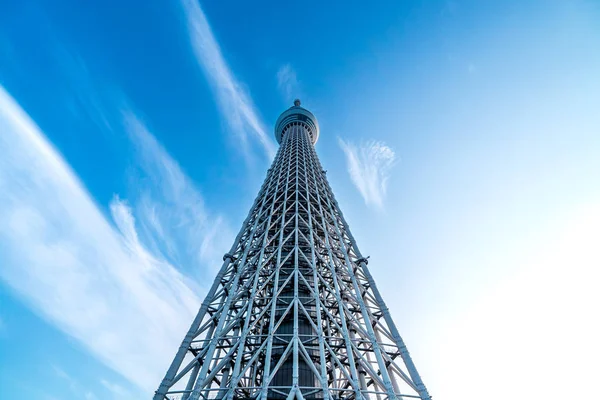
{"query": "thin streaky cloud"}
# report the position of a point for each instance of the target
(369, 165)
(94, 281)
(174, 220)
(117, 390)
(74, 386)
(235, 104)
(287, 82)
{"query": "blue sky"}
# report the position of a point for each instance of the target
(461, 138)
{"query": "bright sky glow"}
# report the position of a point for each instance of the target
(461, 138)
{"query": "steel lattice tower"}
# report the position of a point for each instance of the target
(294, 311)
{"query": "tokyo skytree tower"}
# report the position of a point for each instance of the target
(294, 312)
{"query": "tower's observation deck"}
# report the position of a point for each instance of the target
(297, 115)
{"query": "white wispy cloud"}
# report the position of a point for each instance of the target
(234, 102)
(74, 386)
(96, 282)
(369, 165)
(117, 390)
(287, 82)
(173, 218)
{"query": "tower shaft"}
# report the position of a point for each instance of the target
(294, 311)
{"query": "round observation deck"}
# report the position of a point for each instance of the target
(297, 115)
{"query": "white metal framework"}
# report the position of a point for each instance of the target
(294, 311)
